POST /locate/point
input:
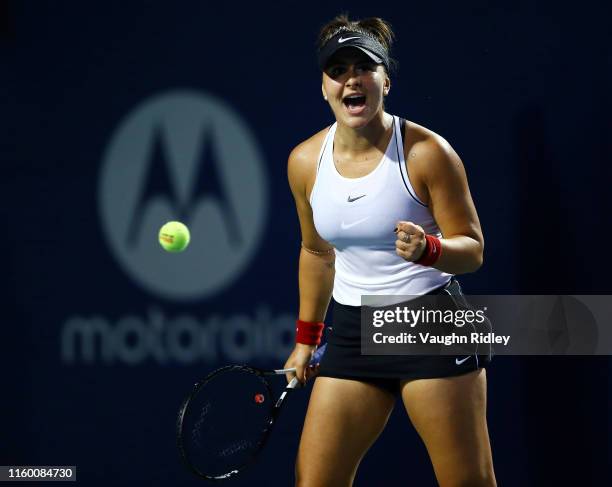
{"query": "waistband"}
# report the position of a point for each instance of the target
(451, 288)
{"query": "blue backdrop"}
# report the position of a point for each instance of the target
(118, 116)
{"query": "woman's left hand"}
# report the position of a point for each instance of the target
(410, 243)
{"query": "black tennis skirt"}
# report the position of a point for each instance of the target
(343, 358)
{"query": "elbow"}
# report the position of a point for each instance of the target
(478, 259)
(473, 260)
(467, 266)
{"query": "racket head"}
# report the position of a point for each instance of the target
(224, 422)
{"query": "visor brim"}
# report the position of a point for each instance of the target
(370, 54)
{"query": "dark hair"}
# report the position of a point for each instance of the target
(374, 27)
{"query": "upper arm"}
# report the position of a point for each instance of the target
(450, 200)
(301, 171)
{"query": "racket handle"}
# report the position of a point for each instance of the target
(316, 358)
(294, 384)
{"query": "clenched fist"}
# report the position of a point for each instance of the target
(411, 242)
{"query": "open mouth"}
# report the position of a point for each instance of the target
(354, 103)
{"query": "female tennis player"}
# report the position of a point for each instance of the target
(384, 208)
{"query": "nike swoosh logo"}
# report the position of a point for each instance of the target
(346, 226)
(342, 39)
(350, 200)
(459, 362)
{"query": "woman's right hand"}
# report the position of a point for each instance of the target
(300, 359)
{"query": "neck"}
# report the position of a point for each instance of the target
(362, 139)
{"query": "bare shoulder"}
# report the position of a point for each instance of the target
(427, 152)
(302, 164)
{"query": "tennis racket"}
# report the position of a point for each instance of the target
(224, 423)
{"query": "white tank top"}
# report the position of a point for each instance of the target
(358, 216)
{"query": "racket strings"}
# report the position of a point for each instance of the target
(225, 422)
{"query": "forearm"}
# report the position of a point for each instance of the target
(316, 282)
(460, 255)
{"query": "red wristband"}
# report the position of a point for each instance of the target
(309, 332)
(432, 252)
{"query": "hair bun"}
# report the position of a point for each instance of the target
(380, 29)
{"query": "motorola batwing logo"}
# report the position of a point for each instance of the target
(183, 156)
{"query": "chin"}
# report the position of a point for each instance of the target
(357, 121)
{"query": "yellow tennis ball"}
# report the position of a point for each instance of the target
(174, 237)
